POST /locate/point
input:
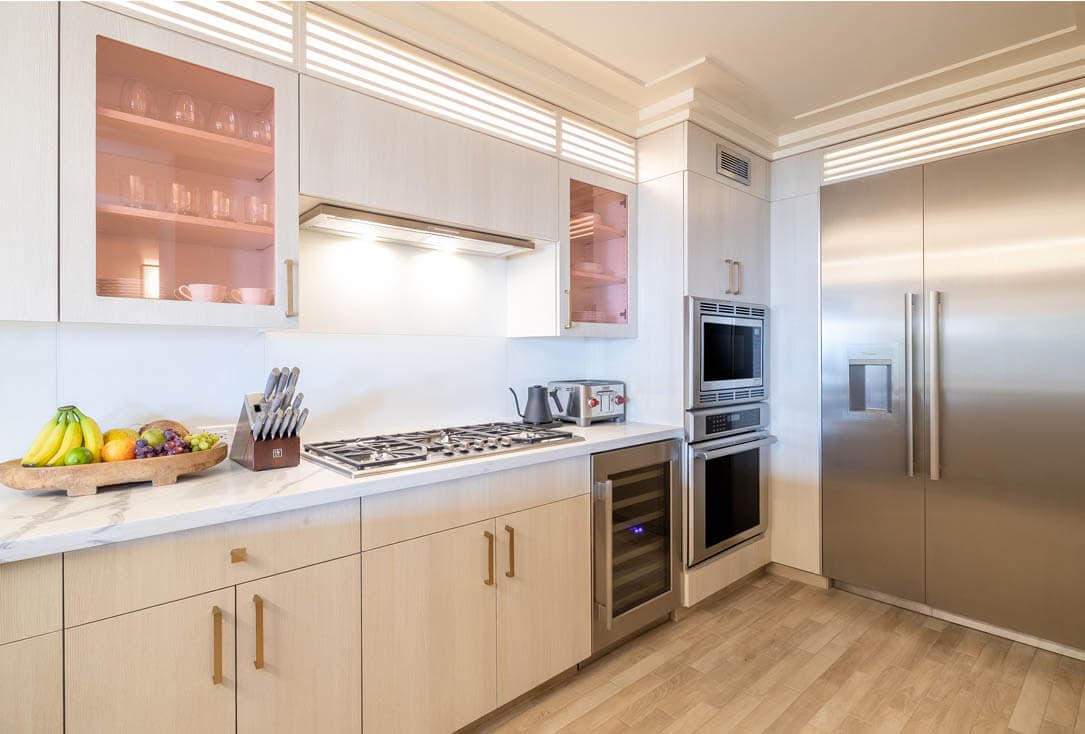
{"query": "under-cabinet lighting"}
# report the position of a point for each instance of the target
(151, 280)
(1046, 114)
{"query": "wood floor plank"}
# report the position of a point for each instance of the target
(692, 719)
(1028, 714)
(1066, 691)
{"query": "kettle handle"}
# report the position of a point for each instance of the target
(557, 402)
(517, 401)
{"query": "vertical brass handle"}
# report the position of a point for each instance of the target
(258, 663)
(237, 555)
(738, 277)
(291, 274)
(730, 276)
(216, 620)
(512, 552)
(569, 313)
(490, 539)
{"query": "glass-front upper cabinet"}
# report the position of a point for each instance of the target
(598, 254)
(179, 186)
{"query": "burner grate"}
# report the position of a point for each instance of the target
(362, 453)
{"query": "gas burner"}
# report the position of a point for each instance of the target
(363, 456)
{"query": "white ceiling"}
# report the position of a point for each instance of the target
(778, 77)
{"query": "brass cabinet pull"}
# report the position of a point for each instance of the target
(569, 303)
(490, 539)
(237, 555)
(512, 552)
(291, 274)
(216, 618)
(738, 277)
(258, 663)
(730, 276)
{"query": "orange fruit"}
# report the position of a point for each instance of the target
(119, 449)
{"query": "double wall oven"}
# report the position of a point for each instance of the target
(726, 425)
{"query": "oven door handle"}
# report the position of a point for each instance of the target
(736, 448)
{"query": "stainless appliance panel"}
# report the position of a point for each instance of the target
(1005, 248)
(710, 423)
(872, 282)
(726, 352)
(584, 402)
(637, 537)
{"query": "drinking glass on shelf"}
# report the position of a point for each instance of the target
(138, 191)
(258, 128)
(221, 205)
(224, 120)
(183, 109)
(135, 97)
(185, 199)
(251, 209)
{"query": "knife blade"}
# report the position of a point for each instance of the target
(292, 381)
(272, 381)
(301, 422)
(287, 415)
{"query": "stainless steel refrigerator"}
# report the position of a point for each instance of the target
(953, 385)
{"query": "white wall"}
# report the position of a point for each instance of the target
(794, 378)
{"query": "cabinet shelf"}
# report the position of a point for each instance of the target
(188, 147)
(128, 221)
(597, 278)
(598, 233)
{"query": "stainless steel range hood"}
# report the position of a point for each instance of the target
(371, 226)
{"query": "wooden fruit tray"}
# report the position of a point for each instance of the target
(89, 478)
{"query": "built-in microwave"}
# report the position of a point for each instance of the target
(726, 345)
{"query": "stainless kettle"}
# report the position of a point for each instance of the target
(537, 409)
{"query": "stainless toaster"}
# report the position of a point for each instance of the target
(584, 402)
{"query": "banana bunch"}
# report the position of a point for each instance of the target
(66, 430)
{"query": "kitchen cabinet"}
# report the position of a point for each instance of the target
(543, 595)
(727, 242)
(28, 146)
(164, 669)
(181, 203)
(31, 685)
(30, 598)
(429, 631)
(299, 650)
(375, 155)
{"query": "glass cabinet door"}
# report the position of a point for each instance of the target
(641, 535)
(185, 173)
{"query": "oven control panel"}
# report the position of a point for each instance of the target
(710, 423)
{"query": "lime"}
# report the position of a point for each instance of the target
(78, 455)
(154, 437)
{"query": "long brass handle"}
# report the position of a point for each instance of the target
(730, 276)
(490, 539)
(569, 313)
(291, 270)
(216, 620)
(258, 663)
(738, 277)
(512, 552)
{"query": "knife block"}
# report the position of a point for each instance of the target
(261, 454)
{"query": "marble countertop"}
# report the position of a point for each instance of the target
(42, 523)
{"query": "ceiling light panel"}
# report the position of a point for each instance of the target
(598, 149)
(262, 28)
(1042, 113)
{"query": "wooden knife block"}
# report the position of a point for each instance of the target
(261, 454)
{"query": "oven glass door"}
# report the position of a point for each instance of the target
(731, 353)
(728, 502)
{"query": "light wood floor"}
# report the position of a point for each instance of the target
(777, 655)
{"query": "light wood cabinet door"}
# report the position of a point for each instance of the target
(299, 651)
(544, 594)
(154, 670)
(28, 147)
(31, 685)
(706, 222)
(746, 240)
(30, 594)
(429, 632)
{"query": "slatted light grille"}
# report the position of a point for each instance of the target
(1040, 114)
(262, 28)
(354, 55)
(597, 149)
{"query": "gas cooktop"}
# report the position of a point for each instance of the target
(358, 457)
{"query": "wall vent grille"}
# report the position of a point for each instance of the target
(732, 164)
(718, 397)
(732, 309)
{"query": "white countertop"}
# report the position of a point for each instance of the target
(42, 523)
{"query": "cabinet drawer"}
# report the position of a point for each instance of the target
(29, 598)
(113, 579)
(411, 513)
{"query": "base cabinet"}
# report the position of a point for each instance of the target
(31, 685)
(154, 670)
(299, 651)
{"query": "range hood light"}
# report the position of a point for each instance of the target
(370, 226)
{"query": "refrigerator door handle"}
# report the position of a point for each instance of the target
(935, 386)
(909, 378)
(604, 495)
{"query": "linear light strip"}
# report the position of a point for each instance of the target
(616, 144)
(330, 68)
(591, 159)
(219, 28)
(357, 41)
(626, 159)
(956, 151)
(1076, 114)
(991, 114)
(421, 86)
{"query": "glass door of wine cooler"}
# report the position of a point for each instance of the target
(637, 532)
(179, 210)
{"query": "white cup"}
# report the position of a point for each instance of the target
(203, 292)
(250, 296)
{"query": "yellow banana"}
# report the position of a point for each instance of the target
(92, 434)
(73, 437)
(39, 440)
(51, 444)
